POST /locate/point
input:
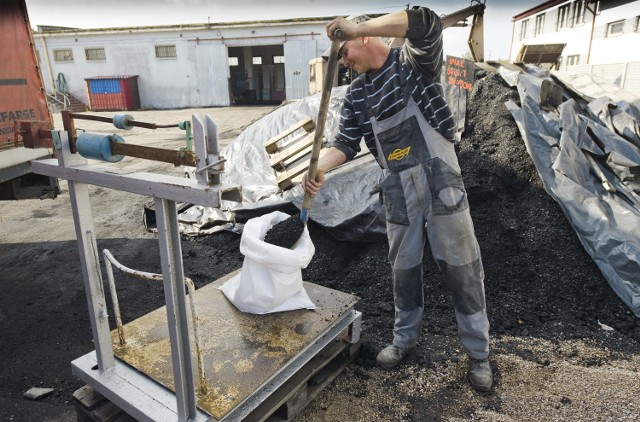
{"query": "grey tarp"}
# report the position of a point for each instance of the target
(589, 161)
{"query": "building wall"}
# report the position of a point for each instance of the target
(618, 48)
(577, 35)
(199, 75)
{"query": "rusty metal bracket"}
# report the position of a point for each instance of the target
(32, 134)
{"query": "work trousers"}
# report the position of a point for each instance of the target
(424, 196)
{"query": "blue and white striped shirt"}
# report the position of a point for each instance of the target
(419, 63)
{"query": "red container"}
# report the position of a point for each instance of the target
(22, 95)
(113, 93)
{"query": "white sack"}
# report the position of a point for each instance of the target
(271, 276)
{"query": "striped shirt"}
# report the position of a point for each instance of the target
(418, 64)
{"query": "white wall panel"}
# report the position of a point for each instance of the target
(213, 75)
(297, 55)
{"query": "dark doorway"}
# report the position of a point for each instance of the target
(256, 74)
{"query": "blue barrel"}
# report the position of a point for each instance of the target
(97, 146)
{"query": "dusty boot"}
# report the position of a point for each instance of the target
(391, 356)
(480, 375)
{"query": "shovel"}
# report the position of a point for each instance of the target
(322, 118)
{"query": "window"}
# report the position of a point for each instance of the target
(257, 60)
(94, 54)
(615, 28)
(166, 51)
(233, 61)
(64, 55)
(539, 24)
(563, 16)
(523, 29)
(278, 59)
(636, 27)
(578, 12)
(573, 60)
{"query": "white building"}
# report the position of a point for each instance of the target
(179, 66)
(599, 37)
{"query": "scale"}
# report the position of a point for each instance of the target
(197, 358)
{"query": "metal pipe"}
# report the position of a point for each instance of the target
(129, 122)
(285, 35)
(196, 333)
(114, 296)
(593, 24)
(143, 275)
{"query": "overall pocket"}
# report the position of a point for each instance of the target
(403, 146)
(395, 202)
(447, 188)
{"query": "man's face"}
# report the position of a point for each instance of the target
(354, 55)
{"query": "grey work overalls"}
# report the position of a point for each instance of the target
(424, 184)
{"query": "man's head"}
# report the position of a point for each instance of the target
(353, 19)
(362, 54)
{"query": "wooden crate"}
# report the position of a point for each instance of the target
(289, 152)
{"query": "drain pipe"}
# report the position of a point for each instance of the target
(593, 24)
(46, 59)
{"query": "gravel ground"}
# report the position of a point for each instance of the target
(564, 346)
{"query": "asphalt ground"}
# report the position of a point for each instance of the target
(38, 246)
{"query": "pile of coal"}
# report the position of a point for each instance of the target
(285, 233)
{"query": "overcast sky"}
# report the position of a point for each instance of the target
(118, 13)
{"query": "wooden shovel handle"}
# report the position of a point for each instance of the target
(322, 118)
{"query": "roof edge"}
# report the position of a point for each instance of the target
(49, 29)
(544, 6)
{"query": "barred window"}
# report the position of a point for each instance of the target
(94, 54)
(523, 29)
(166, 51)
(539, 24)
(573, 60)
(578, 12)
(64, 55)
(615, 28)
(564, 19)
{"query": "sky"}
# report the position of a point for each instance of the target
(120, 13)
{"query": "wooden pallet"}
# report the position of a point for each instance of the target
(92, 406)
(283, 405)
(289, 152)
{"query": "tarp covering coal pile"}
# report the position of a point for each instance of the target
(588, 156)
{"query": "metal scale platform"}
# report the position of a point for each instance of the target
(256, 367)
(248, 358)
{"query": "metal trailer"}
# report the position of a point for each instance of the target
(22, 98)
(250, 367)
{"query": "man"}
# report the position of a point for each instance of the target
(397, 104)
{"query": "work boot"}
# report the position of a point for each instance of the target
(480, 374)
(391, 356)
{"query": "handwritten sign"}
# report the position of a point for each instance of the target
(460, 72)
